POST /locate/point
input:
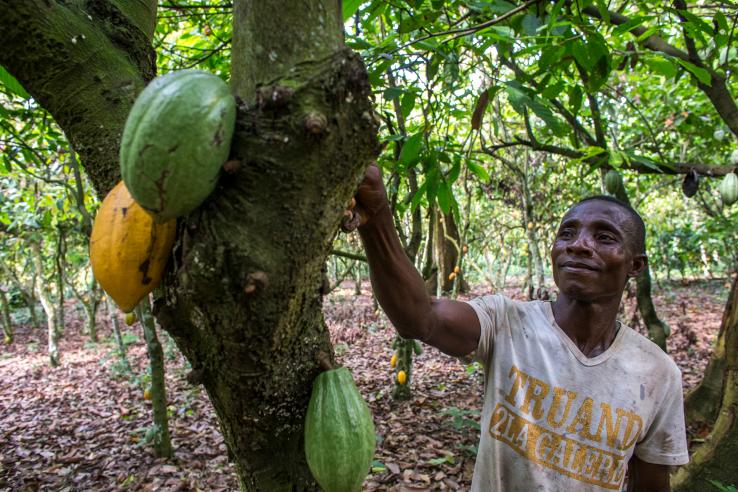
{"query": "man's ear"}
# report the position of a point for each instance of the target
(638, 265)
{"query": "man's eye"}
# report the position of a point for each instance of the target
(565, 233)
(606, 237)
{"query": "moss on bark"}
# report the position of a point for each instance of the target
(84, 62)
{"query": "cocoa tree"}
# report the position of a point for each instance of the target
(244, 303)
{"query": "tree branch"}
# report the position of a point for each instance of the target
(716, 90)
(85, 67)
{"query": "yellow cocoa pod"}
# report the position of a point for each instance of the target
(128, 250)
(393, 360)
(401, 377)
(147, 394)
(457, 270)
(452, 275)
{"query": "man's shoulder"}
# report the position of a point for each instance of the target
(639, 348)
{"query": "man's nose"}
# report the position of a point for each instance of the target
(582, 244)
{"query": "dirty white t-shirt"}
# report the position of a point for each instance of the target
(555, 420)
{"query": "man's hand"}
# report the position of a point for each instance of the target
(370, 200)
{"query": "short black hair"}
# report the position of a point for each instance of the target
(639, 227)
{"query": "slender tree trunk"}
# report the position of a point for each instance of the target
(5, 318)
(657, 329)
(715, 458)
(112, 310)
(61, 248)
(405, 349)
(161, 441)
(44, 294)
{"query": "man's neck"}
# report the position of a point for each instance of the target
(591, 326)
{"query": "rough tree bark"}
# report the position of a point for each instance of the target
(715, 458)
(243, 300)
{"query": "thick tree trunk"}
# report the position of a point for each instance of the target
(715, 458)
(703, 402)
(244, 304)
(160, 430)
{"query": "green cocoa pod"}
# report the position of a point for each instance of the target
(613, 181)
(729, 189)
(175, 140)
(417, 347)
(339, 433)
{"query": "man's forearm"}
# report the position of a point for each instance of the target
(398, 286)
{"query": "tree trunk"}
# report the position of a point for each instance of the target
(715, 458)
(703, 402)
(61, 249)
(404, 349)
(448, 247)
(160, 430)
(657, 329)
(245, 304)
(115, 323)
(26, 290)
(44, 294)
(84, 62)
(5, 318)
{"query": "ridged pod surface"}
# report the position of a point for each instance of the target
(128, 250)
(729, 189)
(339, 433)
(175, 140)
(613, 181)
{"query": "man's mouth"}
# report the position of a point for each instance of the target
(578, 265)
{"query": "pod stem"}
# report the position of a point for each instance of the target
(324, 361)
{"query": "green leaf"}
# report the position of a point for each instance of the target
(418, 197)
(630, 25)
(444, 197)
(411, 149)
(350, 7)
(479, 171)
(531, 23)
(12, 85)
(407, 103)
(700, 73)
(662, 67)
(392, 93)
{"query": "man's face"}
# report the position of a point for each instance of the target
(592, 255)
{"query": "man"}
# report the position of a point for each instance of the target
(572, 397)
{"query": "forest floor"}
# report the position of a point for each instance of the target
(82, 426)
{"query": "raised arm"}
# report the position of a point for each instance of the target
(450, 326)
